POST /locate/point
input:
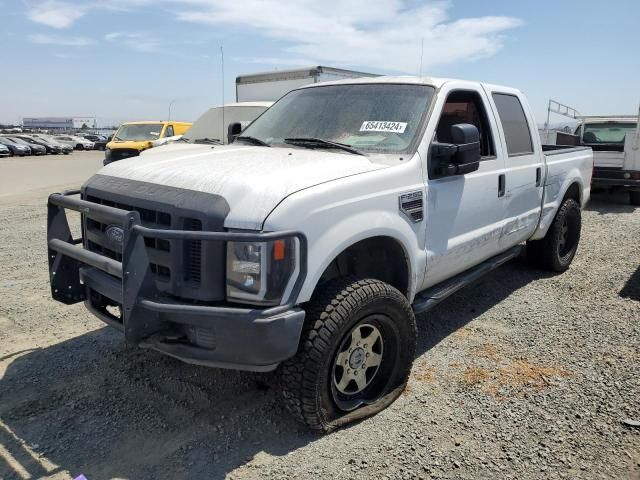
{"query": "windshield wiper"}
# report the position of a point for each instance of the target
(117, 138)
(254, 140)
(215, 141)
(320, 142)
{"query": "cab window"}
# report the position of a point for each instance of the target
(169, 131)
(466, 107)
(514, 123)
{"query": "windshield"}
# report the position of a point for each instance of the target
(139, 131)
(210, 124)
(382, 118)
(606, 132)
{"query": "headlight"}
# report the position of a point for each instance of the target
(259, 272)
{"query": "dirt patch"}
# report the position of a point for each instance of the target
(518, 378)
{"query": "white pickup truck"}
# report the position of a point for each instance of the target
(310, 243)
(615, 142)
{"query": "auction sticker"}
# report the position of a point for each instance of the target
(378, 126)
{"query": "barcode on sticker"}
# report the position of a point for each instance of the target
(378, 126)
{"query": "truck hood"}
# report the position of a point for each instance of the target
(135, 144)
(252, 179)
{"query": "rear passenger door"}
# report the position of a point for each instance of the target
(524, 166)
(464, 212)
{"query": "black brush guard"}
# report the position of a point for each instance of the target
(247, 338)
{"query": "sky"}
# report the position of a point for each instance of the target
(123, 60)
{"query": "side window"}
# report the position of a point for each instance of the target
(514, 123)
(466, 107)
(169, 131)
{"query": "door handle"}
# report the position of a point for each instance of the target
(501, 185)
(538, 176)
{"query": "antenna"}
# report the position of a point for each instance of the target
(421, 54)
(222, 70)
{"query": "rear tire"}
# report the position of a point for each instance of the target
(634, 197)
(556, 250)
(355, 354)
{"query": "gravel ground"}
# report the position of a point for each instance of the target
(524, 375)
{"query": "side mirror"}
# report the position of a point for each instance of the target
(462, 155)
(233, 130)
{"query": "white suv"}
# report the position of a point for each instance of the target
(77, 143)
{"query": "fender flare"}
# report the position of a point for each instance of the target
(327, 248)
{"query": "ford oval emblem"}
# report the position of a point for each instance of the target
(115, 234)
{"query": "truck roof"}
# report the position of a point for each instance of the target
(247, 104)
(298, 73)
(407, 79)
(609, 118)
(159, 122)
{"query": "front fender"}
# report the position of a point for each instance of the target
(338, 214)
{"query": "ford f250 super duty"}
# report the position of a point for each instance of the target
(310, 243)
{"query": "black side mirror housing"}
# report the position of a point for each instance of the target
(462, 155)
(233, 130)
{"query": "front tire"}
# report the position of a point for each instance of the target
(634, 197)
(355, 354)
(556, 250)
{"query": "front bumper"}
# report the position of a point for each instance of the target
(615, 177)
(204, 333)
(115, 154)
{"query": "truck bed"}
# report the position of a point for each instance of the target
(565, 165)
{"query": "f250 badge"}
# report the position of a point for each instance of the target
(115, 234)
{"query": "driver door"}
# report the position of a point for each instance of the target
(465, 213)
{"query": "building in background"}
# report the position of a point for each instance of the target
(61, 124)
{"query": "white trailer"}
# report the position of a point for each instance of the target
(270, 86)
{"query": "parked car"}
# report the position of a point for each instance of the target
(52, 148)
(16, 148)
(99, 141)
(131, 138)
(65, 148)
(310, 243)
(4, 150)
(78, 143)
(35, 148)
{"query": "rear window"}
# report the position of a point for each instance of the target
(514, 123)
(607, 132)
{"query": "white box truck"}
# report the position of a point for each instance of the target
(270, 86)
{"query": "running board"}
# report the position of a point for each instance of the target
(429, 298)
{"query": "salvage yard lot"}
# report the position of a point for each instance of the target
(523, 375)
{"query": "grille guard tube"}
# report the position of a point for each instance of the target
(141, 312)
